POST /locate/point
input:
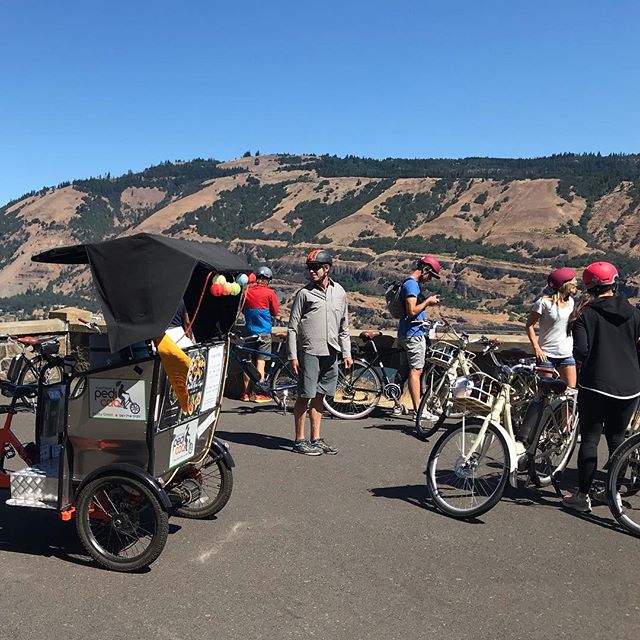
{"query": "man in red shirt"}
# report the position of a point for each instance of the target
(260, 306)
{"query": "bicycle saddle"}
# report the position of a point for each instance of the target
(552, 385)
(28, 340)
(370, 335)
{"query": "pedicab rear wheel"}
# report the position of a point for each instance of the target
(215, 483)
(121, 523)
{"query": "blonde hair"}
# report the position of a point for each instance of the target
(562, 294)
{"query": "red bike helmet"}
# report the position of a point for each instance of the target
(319, 256)
(599, 273)
(558, 277)
(432, 263)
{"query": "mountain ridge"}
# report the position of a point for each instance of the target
(497, 233)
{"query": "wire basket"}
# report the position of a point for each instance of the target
(442, 353)
(477, 395)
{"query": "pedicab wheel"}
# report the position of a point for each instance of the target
(121, 523)
(215, 482)
(623, 484)
(462, 485)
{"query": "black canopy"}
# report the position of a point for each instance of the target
(141, 279)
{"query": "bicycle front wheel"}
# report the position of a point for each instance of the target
(555, 443)
(623, 484)
(463, 485)
(358, 392)
(433, 402)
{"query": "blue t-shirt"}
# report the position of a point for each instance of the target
(406, 326)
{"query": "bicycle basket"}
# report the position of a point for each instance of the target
(442, 353)
(475, 394)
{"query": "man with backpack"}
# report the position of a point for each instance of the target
(411, 328)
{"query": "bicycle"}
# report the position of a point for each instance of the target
(623, 479)
(24, 369)
(280, 382)
(470, 464)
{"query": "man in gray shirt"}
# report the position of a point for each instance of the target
(318, 333)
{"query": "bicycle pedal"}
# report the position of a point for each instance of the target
(9, 451)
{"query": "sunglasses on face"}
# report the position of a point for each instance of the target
(315, 267)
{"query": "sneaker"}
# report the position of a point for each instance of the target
(577, 502)
(245, 397)
(323, 447)
(261, 398)
(306, 448)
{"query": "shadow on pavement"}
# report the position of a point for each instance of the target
(261, 440)
(414, 494)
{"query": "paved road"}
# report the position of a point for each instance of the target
(331, 547)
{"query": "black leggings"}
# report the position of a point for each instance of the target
(598, 413)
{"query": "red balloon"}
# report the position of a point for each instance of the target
(217, 289)
(252, 277)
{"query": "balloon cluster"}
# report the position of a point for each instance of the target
(220, 286)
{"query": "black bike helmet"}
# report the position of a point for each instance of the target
(319, 256)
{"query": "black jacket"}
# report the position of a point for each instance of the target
(605, 341)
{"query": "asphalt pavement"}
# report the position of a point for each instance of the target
(332, 547)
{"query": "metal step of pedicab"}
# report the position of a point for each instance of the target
(35, 487)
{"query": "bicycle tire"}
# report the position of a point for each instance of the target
(448, 480)
(358, 391)
(30, 374)
(434, 400)
(283, 387)
(623, 484)
(555, 442)
(205, 507)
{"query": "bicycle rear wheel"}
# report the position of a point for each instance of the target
(284, 387)
(358, 391)
(555, 444)
(623, 484)
(463, 486)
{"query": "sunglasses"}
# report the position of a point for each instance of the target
(315, 266)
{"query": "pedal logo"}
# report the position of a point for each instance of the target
(117, 399)
(183, 445)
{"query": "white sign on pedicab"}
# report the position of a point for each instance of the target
(183, 443)
(213, 381)
(117, 399)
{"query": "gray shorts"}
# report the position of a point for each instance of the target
(262, 343)
(319, 375)
(416, 349)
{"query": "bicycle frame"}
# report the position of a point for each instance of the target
(501, 408)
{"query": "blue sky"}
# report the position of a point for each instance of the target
(88, 88)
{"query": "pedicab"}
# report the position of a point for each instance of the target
(128, 441)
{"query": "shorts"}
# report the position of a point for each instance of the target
(261, 342)
(416, 349)
(566, 361)
(319, 374)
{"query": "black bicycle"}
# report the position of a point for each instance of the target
(280, 382)
(27, 366)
